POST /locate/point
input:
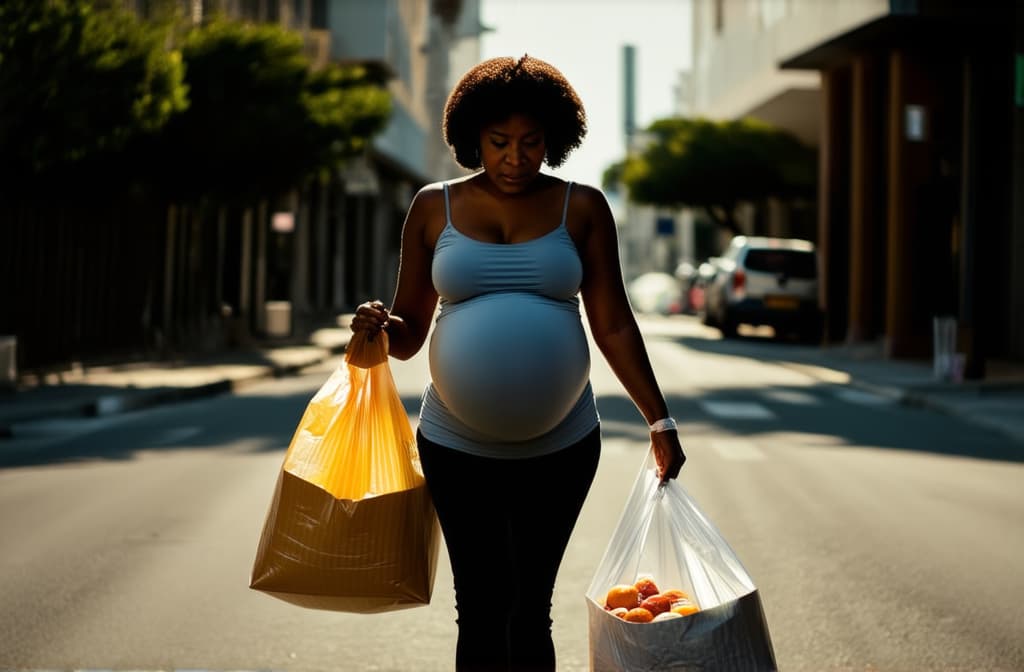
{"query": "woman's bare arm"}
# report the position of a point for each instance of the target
(614, 327)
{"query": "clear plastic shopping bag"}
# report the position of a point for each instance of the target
(665, 536)
(351, 526)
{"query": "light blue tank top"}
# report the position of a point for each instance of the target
(509, 359)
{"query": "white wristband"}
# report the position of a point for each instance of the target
(663, 425)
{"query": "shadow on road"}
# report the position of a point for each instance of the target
(263, 423)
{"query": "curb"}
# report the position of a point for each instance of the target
(915, 399)
(139, 399)
(918, 400)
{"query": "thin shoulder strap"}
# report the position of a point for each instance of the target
(565, 207)
(447, 207)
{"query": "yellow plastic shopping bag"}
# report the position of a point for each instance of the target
(351, 526)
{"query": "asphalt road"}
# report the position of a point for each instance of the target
(881, 537)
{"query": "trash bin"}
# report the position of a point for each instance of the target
(8, 362)
(945, 360)
(279, 319)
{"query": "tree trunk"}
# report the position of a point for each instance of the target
(725, 219)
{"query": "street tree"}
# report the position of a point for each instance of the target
(78, 84)
(716, 165)
(611, 177)
(260, 121)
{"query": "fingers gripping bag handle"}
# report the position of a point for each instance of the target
(664, 535)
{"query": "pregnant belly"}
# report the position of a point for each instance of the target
(509, 366)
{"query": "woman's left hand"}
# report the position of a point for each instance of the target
(668, 453)
(371, 317)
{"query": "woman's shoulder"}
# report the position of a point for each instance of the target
(435, 190)
(429, 197)
(430, 191)
(587, 190)
(589, 198)
(426, 212)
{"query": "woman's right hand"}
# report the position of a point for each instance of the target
(371, 317)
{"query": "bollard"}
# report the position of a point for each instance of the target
(279, 319)
(944, 355)
(8, 362)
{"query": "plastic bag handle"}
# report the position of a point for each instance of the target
(652, 504)
(365, 352)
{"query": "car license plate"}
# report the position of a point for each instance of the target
(781, 302)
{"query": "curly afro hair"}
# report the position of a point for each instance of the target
(500, 87)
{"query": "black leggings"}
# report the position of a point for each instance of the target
(506, 524)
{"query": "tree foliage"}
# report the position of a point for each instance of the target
(611, 178)
(78, 84)
(91, 95)
(715, 165)
(259, 120)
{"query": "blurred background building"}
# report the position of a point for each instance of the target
(917, 110)
(156, 280)
(344, 248)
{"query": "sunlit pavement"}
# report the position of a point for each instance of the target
(129, 538)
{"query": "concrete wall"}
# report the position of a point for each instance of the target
(737, 45)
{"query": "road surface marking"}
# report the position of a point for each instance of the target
(856, 396)
(176, 435)
(739, 450)
(791, 397)
(737, 410)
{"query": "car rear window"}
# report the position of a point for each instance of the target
(794, 263)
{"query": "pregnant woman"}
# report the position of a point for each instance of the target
(509, 436)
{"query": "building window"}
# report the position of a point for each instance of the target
(773, 11)
(319, 17)
(719, 16)
(250, 10)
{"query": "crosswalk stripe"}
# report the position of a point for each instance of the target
(861, 397)
(791, 397)
(737, 410)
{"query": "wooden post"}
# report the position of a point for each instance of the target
(260, 284)
(168, 303)
(898, 270)
(863, 222)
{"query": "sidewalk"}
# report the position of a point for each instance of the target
(109, 390)
(996, 403)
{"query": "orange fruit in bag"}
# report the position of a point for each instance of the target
(647, 587)
(638, 615)
(657, 604)
(684, 607)
(675, 594)
(643, 603)
(622, 596)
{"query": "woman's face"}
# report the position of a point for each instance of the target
(512, 152)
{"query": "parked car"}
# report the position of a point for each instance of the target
(761, 280)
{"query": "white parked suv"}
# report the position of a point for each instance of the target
(762, 280)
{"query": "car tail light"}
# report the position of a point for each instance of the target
(739, 282)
